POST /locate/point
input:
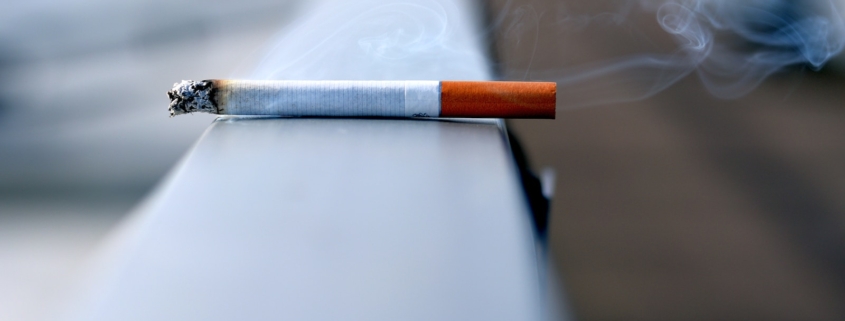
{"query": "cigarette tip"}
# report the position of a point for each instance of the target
(190, 96)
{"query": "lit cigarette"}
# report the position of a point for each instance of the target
(470, 99)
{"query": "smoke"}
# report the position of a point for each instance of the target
(732, 46)
(377, 40)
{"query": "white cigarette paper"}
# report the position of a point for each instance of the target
(307, 98)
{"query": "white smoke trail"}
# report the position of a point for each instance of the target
(731, 45)
(767, 35)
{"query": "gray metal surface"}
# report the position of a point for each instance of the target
(330, 219)
(337, 219)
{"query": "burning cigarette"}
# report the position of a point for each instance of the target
(470, 99)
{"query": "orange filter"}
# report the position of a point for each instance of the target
(497, 99)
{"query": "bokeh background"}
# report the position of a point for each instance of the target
(684, 206)
(680, 206)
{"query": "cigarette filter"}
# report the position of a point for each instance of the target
(470, 99)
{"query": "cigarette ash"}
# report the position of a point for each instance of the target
(190, 96)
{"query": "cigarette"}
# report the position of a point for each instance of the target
(460, 99)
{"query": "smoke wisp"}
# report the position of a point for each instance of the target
(377, 40)
(732, 46)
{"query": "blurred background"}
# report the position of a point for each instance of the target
(672, 206)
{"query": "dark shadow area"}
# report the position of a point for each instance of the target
(538, 203)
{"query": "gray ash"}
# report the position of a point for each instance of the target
(190, 96)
